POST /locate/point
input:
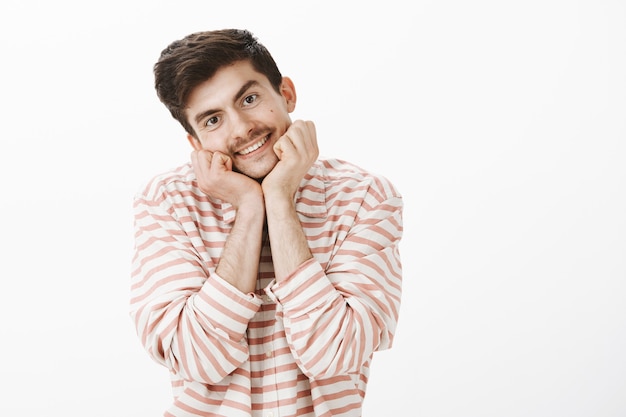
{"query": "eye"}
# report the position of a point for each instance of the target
(212, 121)
(249, 99)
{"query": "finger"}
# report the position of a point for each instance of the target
(221, 162)
(311, 129)
(201, 162)
(304, 139)
(194, 158)
(284, 146)
(303, 133)
(278, 150)
(311, 135)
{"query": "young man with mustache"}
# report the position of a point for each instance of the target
(263, 277)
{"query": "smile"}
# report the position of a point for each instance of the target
(253, 147)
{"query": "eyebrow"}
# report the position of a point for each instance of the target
(236, 97)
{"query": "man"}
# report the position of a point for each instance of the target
(263, 278)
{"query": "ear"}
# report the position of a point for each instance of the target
(288, 91)
(195, 143)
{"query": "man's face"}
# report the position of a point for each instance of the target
(238, 113)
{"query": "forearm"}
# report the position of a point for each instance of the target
(239, 262)
(287, 239)
(199, 335)
(331, 332)
(186, 316)
(337, 311)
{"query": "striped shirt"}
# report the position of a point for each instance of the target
(299, 348)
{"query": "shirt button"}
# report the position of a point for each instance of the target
(269, 355)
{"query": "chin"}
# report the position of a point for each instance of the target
(257, 171)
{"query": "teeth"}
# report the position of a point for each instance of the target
(253, 147)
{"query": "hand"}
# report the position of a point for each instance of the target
(297, 151)
(216, 177)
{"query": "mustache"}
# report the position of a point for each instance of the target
(253, 136)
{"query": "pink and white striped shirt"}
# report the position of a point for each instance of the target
(299, 348)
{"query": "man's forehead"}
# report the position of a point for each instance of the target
(231, 80)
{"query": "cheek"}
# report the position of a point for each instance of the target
(213, 143)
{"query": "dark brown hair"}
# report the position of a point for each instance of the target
(190, 61)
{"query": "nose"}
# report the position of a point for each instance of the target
(241, 125)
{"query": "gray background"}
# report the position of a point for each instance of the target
(502, 123)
